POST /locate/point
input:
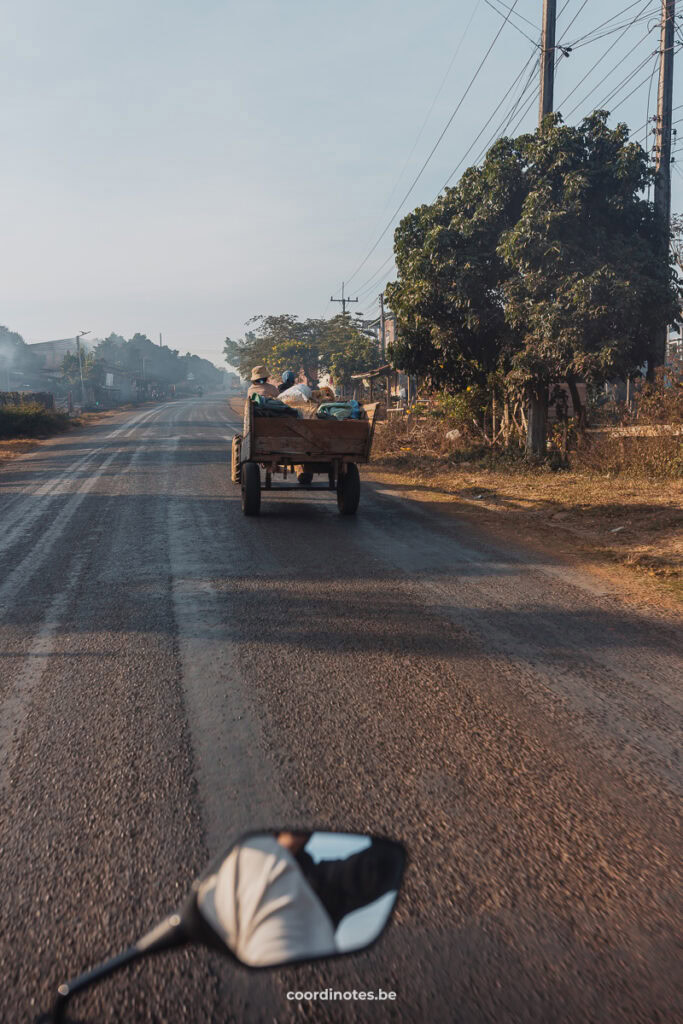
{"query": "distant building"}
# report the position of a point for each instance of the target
(51, 353)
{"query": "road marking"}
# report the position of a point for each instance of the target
(17, 702)
(23, 509)
(39, 553)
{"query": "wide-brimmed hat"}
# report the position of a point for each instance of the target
(259, 373)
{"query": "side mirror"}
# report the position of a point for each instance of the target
(276, 898)
(280, 897)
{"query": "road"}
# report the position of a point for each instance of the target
(172, 673)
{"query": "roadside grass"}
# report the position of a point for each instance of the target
(613, 506)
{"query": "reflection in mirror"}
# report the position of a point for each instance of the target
(279, 897)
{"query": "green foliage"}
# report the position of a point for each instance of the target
(307, 347)
(461, 408)
(541, 263)
(90, 365)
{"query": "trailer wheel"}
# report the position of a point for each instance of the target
(251, 488)
(235, 458)
(348, 490)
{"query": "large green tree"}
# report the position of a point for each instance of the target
(541, 264)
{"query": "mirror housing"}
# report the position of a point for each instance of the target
(280, 897)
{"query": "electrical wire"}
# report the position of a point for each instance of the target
(433, 104)
(517, 14)
(594, 34)
(619, 64)
(434, 147)
(485, 126)
(634, 90)
(565, 30)
(607, 99)
(491, 4)
(598, 63)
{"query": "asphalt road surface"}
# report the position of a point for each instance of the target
(172, 673)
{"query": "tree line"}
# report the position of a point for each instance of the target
(310, 348)
(141, 357)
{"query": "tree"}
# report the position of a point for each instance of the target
(91, 366)
(307, 347)
(15, 355)
(542, 265)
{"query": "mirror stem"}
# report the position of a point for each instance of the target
(167, 935)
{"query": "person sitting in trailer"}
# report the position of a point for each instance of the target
(288, 380)
(259, 383)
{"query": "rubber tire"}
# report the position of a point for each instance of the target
(348, 490)
(251, 488)
(305, 479)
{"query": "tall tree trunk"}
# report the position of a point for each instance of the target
(537, 402)
(579, 407)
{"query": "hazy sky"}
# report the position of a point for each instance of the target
(181, 166)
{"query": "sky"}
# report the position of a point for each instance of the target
(180, 167)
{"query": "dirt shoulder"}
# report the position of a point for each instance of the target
(628, 529)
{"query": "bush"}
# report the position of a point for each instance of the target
(31, 420)
(661, 401)
(44, 398)
(659, 456)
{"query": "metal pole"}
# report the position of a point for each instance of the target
(547, 59)
(80, 368)
(382, 327)
(344, 300)
(663, 150)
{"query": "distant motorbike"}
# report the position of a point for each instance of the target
(275, 898)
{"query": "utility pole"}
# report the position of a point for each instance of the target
(663, 152)
(382, 327)
(344, 300)
(80, 365)
(547, 59)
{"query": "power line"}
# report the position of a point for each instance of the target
(634, 90)
(594, 35)
(600, 60)
(564, 31)
(490, 3)
(485, 126)
(433, 103)
(624, 81)
(517, 14)
(435, 146)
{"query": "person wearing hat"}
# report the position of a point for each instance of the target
(259, 384)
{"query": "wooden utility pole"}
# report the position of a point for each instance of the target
(382, 327)
(344, 300)
(663, 151)
(547, 59)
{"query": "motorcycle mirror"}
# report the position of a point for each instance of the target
(276, 898)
